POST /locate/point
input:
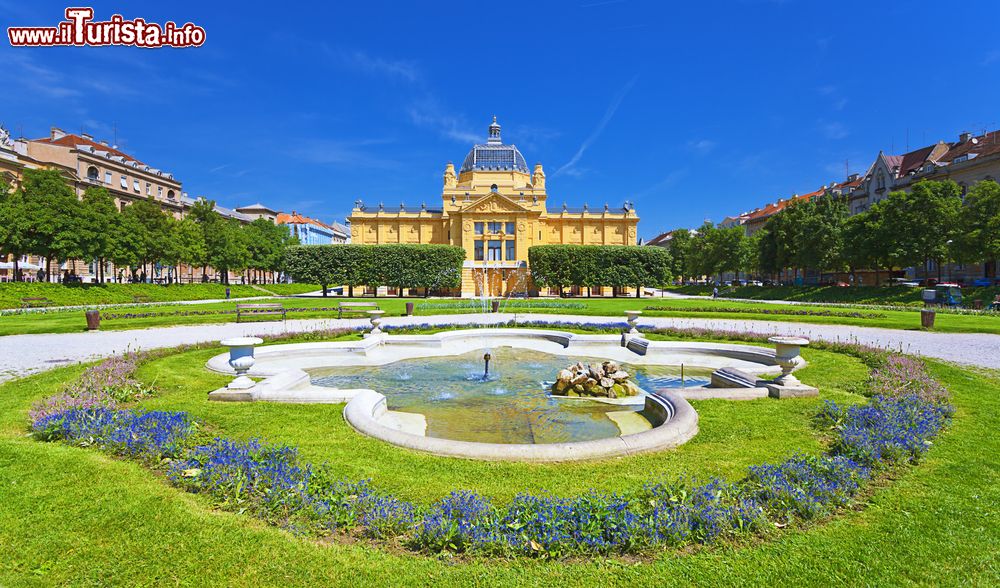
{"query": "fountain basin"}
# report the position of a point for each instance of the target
(291, 373)
(677, 422)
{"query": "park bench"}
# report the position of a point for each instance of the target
(141, 298)
(355, 308)
(36, 302)
(262, 309)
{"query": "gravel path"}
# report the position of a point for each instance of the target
(25, 354)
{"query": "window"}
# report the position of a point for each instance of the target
(107, 177)
(479, 229)
(510, 253)
(159, 191)
(170, 194)
(493, 254)
(92, 173)
(495, 228)
(135, 185)
(479, 251)
(510, 228)
(880, 185)
(493, 188)
(124, 182)
(149, 189)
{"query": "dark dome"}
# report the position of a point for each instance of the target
(494, 155)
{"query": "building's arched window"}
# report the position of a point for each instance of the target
(170, 194)
(493, 188)
(93, 173)
(880, 181)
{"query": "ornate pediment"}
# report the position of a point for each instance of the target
(495, 203)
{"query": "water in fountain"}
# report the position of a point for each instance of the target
(512, 405)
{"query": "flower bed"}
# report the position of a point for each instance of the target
(907, 409)
(771, 311)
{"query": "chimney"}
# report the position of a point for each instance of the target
(57, 133)
(964, 137)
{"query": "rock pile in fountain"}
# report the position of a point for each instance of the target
(606, 380)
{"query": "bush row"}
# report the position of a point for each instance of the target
(431, 267)
(771, 311)
(558, 266)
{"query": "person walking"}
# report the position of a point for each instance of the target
(715, 292)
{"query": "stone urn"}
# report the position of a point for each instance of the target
(786, 352)
(632, 317)
(241, 360)
(375, 316)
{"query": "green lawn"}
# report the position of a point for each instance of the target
(76, 516)
(73, 321)
(11, 293)
(888, 295)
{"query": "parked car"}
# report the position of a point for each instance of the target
(984, 282)
(946, 295)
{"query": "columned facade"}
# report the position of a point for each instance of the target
(495, 208)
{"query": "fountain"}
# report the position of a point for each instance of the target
(486, 371)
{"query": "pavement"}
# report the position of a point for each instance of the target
(21, 355)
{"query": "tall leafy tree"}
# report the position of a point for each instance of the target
(15, 225)
(820, 236)
(978, 235)
(52, 212)
(97, 224)
(925, 220)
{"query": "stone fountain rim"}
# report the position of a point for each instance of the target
(680, 425)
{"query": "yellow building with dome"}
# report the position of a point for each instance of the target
(495, 209)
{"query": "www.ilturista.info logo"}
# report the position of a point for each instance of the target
(79, 29)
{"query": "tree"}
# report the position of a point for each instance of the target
(97, 224)
(678, 247)
(188, 244)
(820, 236)
(152, 243)
(925, 220)
(227, 247)
(51, 212)
(15, 226)
(978, 235)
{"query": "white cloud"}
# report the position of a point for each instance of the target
(596, 133)
(702, 146)
(834, 130)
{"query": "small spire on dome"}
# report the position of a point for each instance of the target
(494, 137)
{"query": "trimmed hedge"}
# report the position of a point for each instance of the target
(430, 267)
(558, 266)
(11, 293)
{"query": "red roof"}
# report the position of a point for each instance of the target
(298, 219)
(775, 207)
(71, 140)
(986, 144)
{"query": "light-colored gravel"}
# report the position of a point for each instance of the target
(25, 354)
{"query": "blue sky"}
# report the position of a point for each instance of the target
(691, 110)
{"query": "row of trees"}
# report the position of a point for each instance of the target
(930, 223)
(431, 267)
(44, 217)
(591, 266)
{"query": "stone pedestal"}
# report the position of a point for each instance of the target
(787, 356)
(632, 317)
(799, 390)
(241, 360)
